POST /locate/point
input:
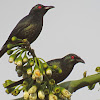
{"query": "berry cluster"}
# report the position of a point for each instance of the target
(36, 73)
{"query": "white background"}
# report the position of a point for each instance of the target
(73, 26)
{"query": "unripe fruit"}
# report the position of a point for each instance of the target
(14, 38)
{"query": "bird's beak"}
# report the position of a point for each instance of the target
(48, 7)
(80, 60)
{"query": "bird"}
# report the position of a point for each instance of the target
(66, 63)
(28, 27)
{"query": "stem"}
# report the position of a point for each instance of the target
(42, 60)
(39, 63)
(31, 51)
(22, 51)
(19, 44)
(35, 59)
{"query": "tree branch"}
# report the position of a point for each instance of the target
(74, 85)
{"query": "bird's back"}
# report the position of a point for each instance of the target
(27, 28)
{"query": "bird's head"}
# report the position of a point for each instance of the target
(72, 59)
(40, 9)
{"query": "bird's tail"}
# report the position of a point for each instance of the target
(3, 50)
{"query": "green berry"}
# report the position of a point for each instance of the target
(45, 65)
(55, 66)
(46, 91)
(12, 58)
(9, 52)
(33, 89)
(25, 59)
(29, 71)
(59, 70)
(33, 76)
(66, 93)
(19, 72)
(49, 71)
(41, 94)
(39, 79)
(26, 95)
(19, 61)
(52, 97)
(37, 73)
(14, 38)
(25, 83)
(57, 89)
(31, 63)
(15, 62)
(24, 75)
(9, 46)
(24, 40)
(52, 81)
(33, 96)
(97, 69)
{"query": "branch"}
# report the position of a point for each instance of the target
(74, 85)
(31, 51)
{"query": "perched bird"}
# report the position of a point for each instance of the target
(29, 27)
(66, 64)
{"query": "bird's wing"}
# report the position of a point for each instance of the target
(56, 76)
(54, 62)
(22, 24)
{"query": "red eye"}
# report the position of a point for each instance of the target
(39, 7)
(72, 57)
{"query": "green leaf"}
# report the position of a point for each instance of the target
(91, 87)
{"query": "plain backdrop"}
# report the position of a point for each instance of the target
(73, 26)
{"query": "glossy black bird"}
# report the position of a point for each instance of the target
(66, 64)
(29, 27)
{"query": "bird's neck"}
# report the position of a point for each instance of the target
(36, 14)
(36, 18)
(67, 66)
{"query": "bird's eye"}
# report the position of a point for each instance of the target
(72, 57)
(39, 7)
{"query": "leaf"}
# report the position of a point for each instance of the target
(91, 87)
